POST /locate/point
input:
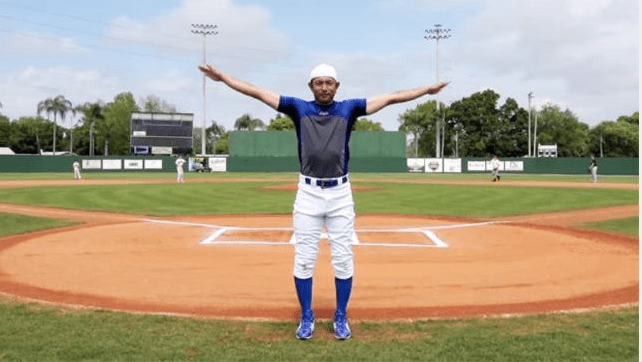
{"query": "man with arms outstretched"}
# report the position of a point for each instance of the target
(324, 195)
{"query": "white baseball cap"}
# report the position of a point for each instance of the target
(323, 70)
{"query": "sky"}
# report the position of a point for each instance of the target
(580, 55)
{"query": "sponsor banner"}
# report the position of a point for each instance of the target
(141, 150)
(91, 164)
(153, 164)
(133, 164)
(452, 165)
(112, 164)
(489, 165)
(161, 150)
(514, 166)
(218, 164)
(434, 165)
(196, 164)
(476, 166)
(416, 164)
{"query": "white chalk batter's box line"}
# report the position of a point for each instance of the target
(426, 231)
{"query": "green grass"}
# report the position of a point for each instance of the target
(486, 177)
(12, 224)
(35, 332)
(404, 198)
(279, 176)
(484, 201)
(628, 226)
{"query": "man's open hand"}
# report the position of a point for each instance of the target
(437, 87)
(211, 72)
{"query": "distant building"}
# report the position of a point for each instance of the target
(58, 153)
(546, 150)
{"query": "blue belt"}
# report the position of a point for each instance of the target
(324, 184)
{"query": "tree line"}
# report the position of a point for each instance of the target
(475, 126)
(478, 126)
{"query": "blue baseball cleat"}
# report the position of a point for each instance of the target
(306, 326)
(341, 326)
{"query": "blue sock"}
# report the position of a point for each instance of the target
(344, 288)
(304, 293)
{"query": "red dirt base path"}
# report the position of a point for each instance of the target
(407, 267)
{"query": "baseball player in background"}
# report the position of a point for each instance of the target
(593, 169)
(180, 174)
(76, 167)
(495, 165)
(324, 195)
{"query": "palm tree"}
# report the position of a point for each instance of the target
(93, 112)
(246, 122)
(56, 106)
(412, 123)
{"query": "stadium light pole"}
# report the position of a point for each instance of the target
(437, 33)
(530, 95)
(535, 144)
(205, 30)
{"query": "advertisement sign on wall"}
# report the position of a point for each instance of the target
(514, 166)
(489, 165)
(112, 164)
(452, 165)
(476, 166)
(161, 150)
(434, 165)
(153, 164)
(218, 164)
(91, 164)
(133, 164)
(197, 164)
(416, 164)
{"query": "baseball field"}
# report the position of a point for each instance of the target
(134, 267)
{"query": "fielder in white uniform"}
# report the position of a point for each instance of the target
(593, 169)
(324, 195)
(76, 166)
(180, 175)
(495, 164)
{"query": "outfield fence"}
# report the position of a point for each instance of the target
(277, 152)
(560, 166)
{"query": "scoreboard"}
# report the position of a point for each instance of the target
(161, 133)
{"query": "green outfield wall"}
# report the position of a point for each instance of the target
(277, 152)
(562, 165)
(284, 144)
(37, 163)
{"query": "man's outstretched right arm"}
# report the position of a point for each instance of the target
(265, 96)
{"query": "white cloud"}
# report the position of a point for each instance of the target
(432, 5)
(587, 49)
(583, 55)
(25, 89)
(245, 31)
(579, 54)
(29, 43)
(170, 82)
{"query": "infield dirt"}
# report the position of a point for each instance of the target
(508, 266)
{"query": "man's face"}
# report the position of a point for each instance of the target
(324, 89)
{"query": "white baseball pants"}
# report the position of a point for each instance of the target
(314, 208)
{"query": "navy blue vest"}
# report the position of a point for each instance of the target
(323, 133)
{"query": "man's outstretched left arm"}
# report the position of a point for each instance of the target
(377, 103)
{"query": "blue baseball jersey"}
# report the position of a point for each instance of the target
(323, 133)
